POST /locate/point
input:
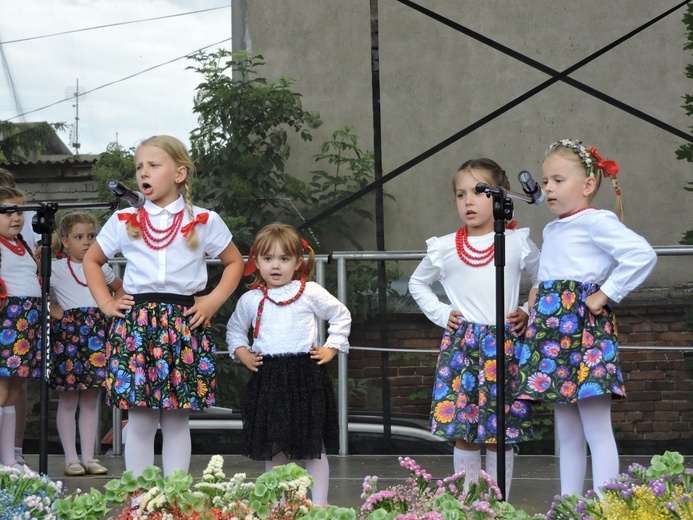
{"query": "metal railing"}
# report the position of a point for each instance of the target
(342, 258)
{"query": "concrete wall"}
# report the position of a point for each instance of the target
(436, 81)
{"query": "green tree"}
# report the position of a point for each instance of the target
(22, 143)
(241, 145)
(115, 163)
(685, 151)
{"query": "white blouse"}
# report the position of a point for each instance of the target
(472, 290)
(594, 246)
(67, 292)
(174, 269)
(292, 328)
(19, 273)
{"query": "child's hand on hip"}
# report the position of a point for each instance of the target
(596, 302)
(323, 354)
(519, 318)
(252, 360)
(454, 321)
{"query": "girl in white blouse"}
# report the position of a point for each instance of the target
(588, 257)
(289, 407)
(464, 393)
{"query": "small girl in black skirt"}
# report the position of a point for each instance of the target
(289, 408)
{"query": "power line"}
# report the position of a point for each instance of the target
(118, 80)
(112, 25)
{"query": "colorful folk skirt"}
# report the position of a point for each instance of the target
(156, 360)
(78, 354)
(20, 337)
(289, 406)
(569, 354)
(465, 390)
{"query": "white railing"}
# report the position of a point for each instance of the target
(341, 258)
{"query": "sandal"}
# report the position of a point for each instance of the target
(74, 469)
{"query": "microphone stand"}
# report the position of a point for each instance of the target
(44, 223)
(502, 211)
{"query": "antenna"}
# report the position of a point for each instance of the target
(74, 132)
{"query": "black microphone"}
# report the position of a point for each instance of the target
(531, 188)
(134, 198)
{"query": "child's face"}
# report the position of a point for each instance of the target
(78, 240)
(11, 223)
(475, 209)
(276, 268)
(158, 177)
(567, 187)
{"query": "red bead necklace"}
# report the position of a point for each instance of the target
(575, 212)
(74, 275)
(165, 236)
(469, 254)
(265, 296)
(17, 247)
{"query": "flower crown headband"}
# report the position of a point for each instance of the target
(590, 158)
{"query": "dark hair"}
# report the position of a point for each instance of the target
(495, 175)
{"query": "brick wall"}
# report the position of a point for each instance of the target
(659, 380)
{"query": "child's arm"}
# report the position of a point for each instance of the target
(420, 282)
(519, 318)
(327, 307)
(116, 287)
(56, 312)
(250, 359)
(92, 263)
(206, 306)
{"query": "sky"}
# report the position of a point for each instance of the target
(123, 99)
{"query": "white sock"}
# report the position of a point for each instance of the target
(595, 413)
(319, 469)
(571, 438)
(139, 447)
(65, 422)
(177, 447)
(7, 431)
(492, 468)
(469, 462)
(88, 422)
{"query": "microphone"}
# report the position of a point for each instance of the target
(531, 188)
(122, 192)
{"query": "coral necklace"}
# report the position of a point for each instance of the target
(265, 297)
(159, 238)
(69, 266)
(17, 247)
(575, 212)
(470, 255)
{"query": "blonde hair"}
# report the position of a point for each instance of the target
(291, 243)
(176, 150)
(583, 159)
(70, 219)
(7, 178)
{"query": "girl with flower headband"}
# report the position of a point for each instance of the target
(289, 408)
(20, 317)
(161, 354)
(571, 354)
(464, 404)
(78, 353)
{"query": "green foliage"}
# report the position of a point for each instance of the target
(685, 152)
(22, 143)
(115, 163)
(241, 145)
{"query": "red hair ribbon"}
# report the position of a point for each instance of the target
(304, 244)
(202, 218)
(609, 168)
(3, 293)
(511, 225)
(250, 266)
(60, 253)
(129, 218)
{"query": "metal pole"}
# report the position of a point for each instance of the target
(342, 367)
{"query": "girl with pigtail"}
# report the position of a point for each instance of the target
(571, 353)
(20, 318)
(288, 408)
(161, 355)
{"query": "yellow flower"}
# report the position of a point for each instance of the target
(583, 372)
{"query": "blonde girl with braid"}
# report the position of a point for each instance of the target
(588, 257)
(161, 355)
(20, 318)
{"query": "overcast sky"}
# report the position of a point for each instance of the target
(45, 70)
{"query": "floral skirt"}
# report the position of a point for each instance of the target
(289, 406)
(570, 354)
(465, 390)
(78, 354)
(156, 360)
(20, 343)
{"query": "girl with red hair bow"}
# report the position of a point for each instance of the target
(289, 408)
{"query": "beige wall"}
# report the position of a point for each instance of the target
(436, 81)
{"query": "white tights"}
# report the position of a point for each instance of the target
(587, 421)
(319, 469)
(88, 403)
(7, 429)
(175, 430)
